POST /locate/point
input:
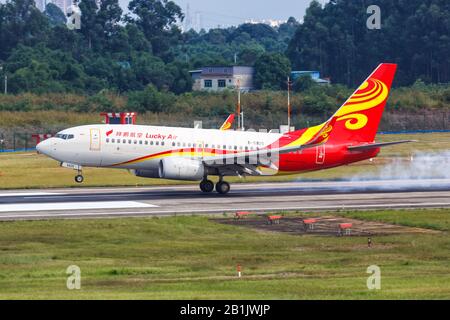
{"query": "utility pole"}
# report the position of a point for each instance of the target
(5, 77)
(289, 103)
(238, 107)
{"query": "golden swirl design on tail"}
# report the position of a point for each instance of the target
(370, 94)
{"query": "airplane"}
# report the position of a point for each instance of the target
(195, 154)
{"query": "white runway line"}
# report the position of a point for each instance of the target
(73, 206)
(18, 194)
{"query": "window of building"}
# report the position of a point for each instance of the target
(208, 83)
(221, 83)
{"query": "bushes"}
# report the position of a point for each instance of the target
(150, 100)
(317, 101)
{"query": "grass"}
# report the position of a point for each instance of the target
(195, 258)
(29, 170)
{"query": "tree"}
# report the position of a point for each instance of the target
(271, 71)
(156, 19)
(90, 27)
(55, 14)
(304, 83)
(249, 55)
(21, 22)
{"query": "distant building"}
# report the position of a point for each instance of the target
(220, 78)
(315, 75)
(270, 22)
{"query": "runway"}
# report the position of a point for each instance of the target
(256, 197)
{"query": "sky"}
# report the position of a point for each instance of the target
(233, 12)
(225, 13)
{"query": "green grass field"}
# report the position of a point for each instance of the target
(195, 258)
(29, 170)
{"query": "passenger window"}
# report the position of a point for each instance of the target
(146, 142)
(173, 144)
(135, 141)
(107, 140)
(140, 141)
(157, 143)
(124, 141)
(129, 141)
(162, 143)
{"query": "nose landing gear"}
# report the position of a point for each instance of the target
(79, 177)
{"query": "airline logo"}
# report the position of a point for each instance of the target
(228, 123)
(370, 94)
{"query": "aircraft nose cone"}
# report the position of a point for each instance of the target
(43, 147)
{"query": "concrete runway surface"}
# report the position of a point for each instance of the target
(256, 197)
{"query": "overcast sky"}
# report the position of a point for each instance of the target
(234, 12)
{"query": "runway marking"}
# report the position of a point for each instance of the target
(18, 194)
(73, 206)
(212, 211)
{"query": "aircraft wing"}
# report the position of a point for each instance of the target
(264, 156)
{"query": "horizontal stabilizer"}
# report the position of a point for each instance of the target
(369, 146)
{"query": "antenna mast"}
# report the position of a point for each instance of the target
(289, 103)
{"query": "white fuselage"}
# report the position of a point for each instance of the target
(120, 145)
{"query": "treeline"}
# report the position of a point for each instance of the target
(127, 53)
(124, 53)
(261, 106)
(414, 33)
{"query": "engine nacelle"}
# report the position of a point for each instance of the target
(181, 169)
(146, 173)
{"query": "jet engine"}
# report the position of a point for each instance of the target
(181, 169)
(145, 173)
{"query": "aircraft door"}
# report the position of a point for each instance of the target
(320, 154)
(95, 140)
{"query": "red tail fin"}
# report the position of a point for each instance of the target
(228, 123)
(358, 118)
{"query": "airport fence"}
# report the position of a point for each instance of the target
(18, 139)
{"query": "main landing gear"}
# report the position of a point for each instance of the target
(207, 186)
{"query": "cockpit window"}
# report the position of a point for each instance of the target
(64, 136)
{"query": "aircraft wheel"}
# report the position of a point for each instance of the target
(206, 186)
(222, 187)
(79, 178)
